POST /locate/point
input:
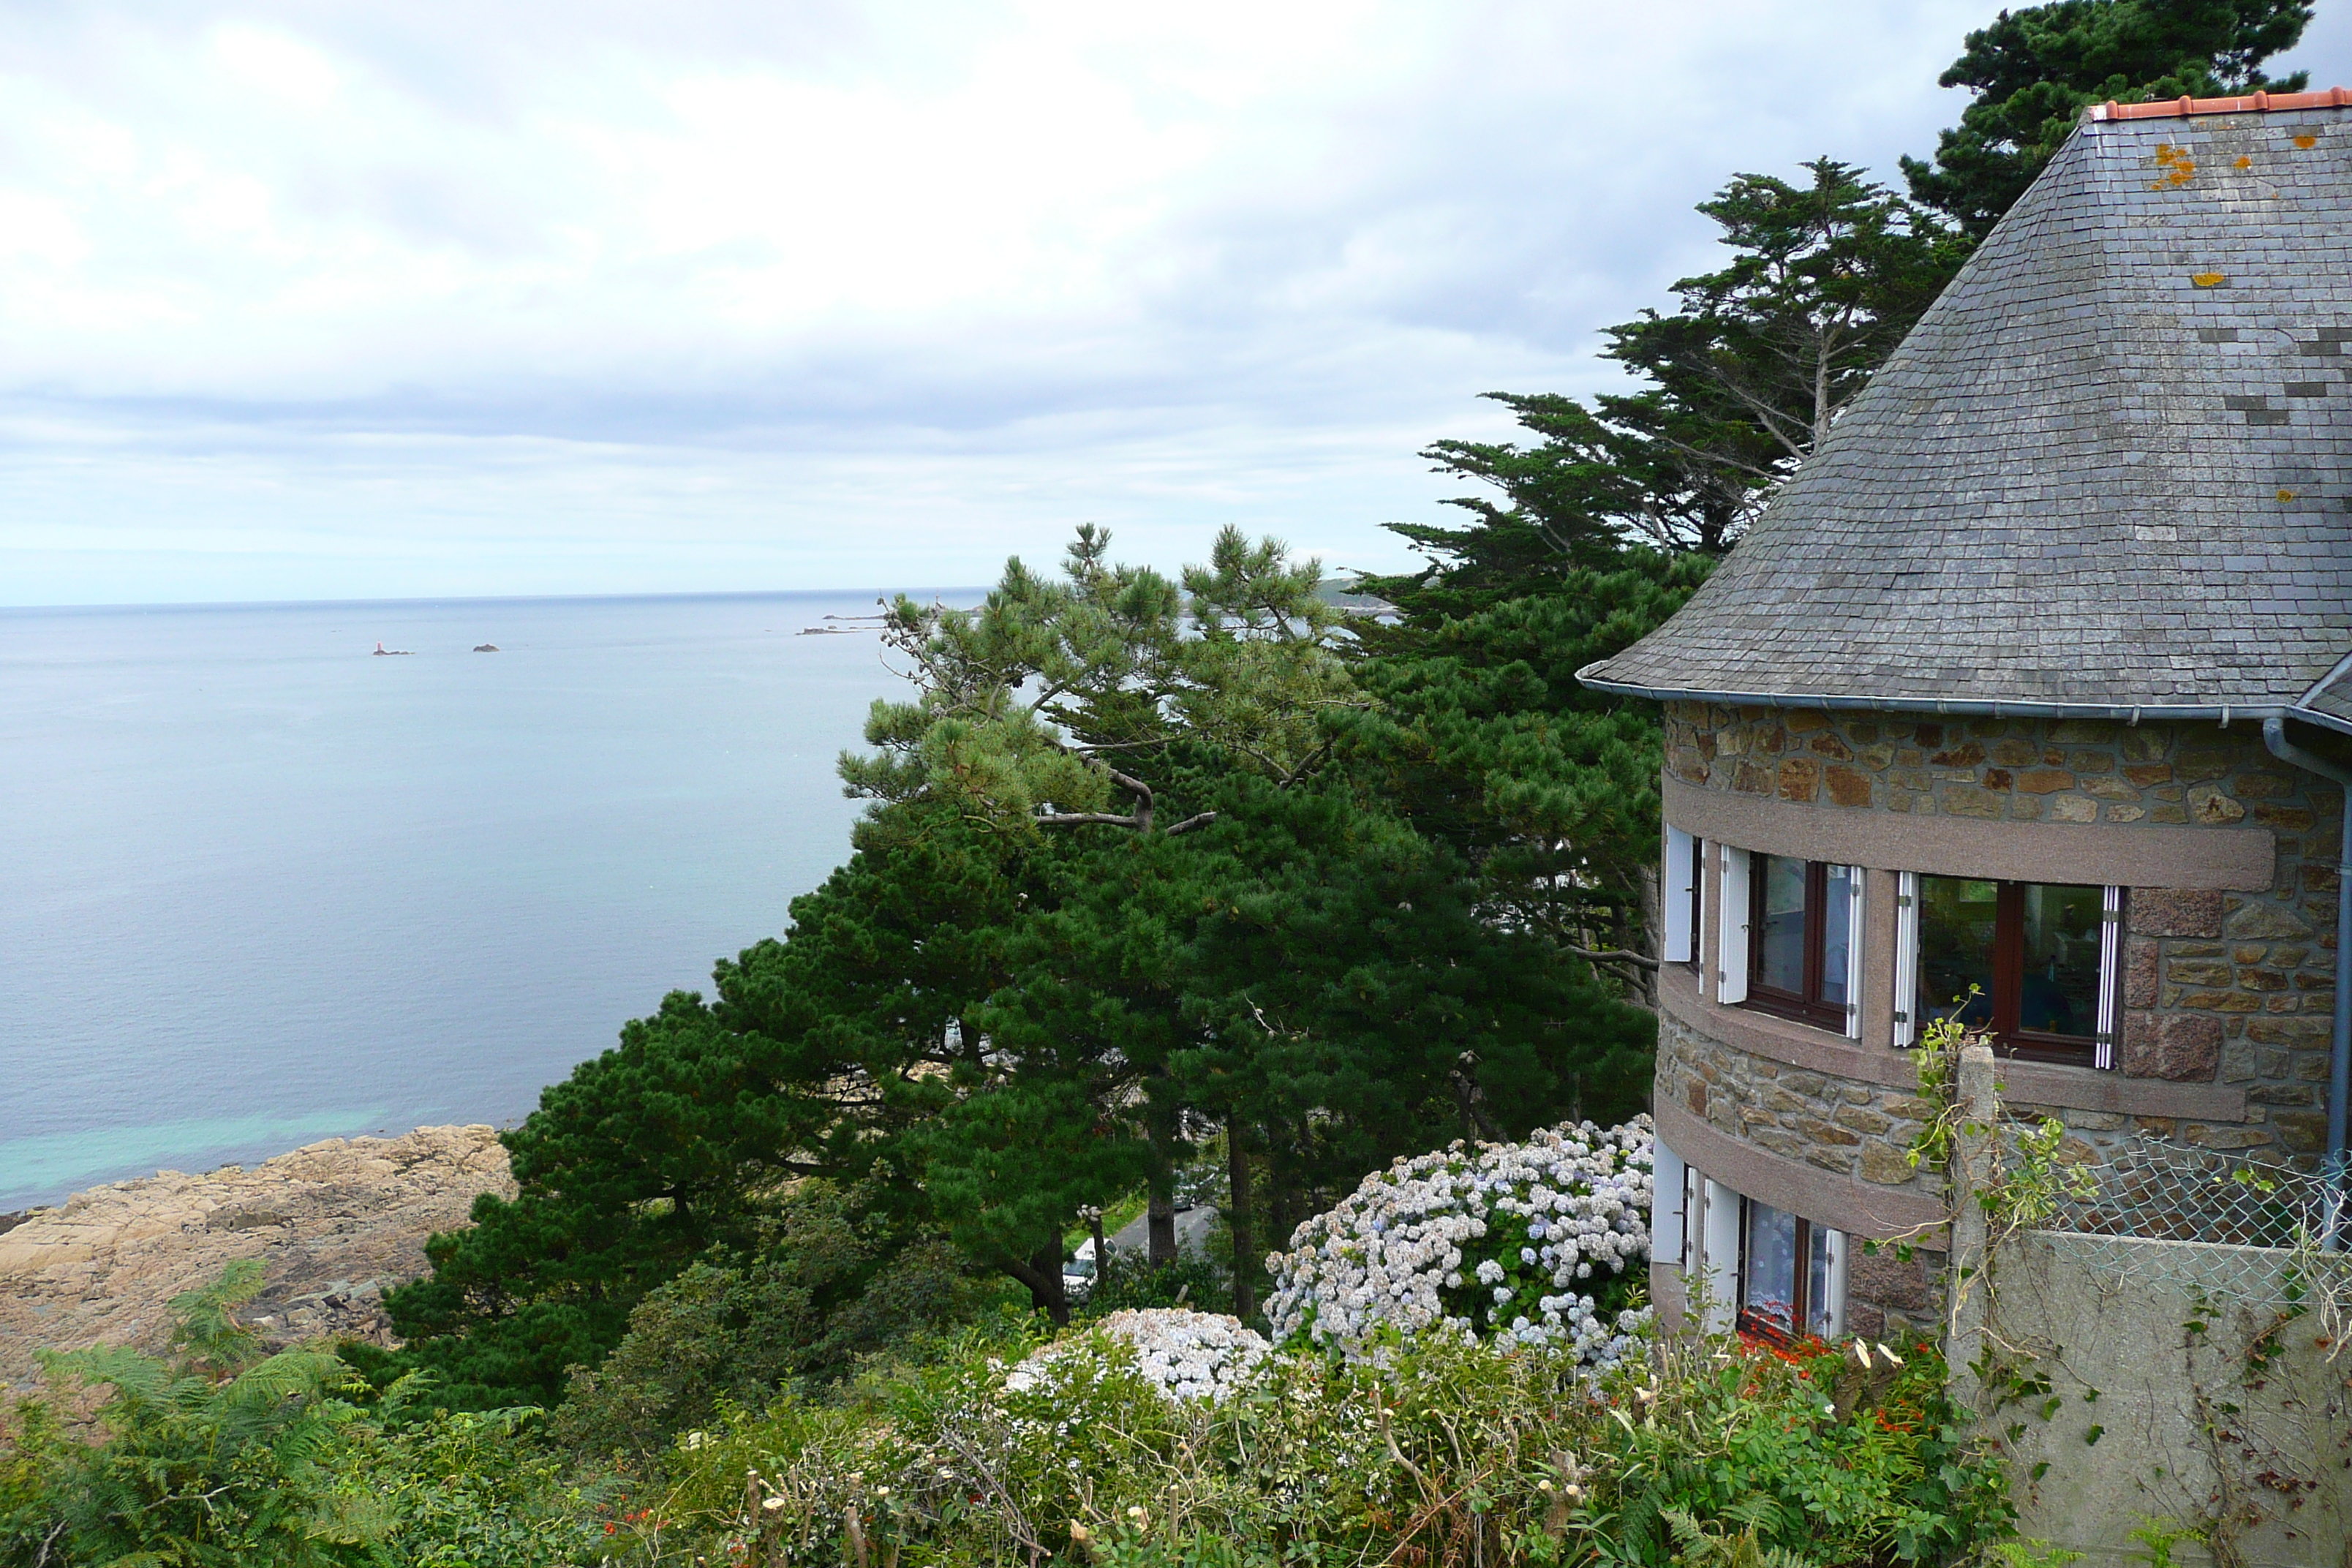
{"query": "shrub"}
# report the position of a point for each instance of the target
(1129, 1283)
(829, 1284)
(1529, 1242)
(215, 1454)
(1440, 1451)
(223, 1455)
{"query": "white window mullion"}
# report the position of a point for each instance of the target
(1731, 929)
(1681, 889)
(1855, 944)
(2111, 947)
(1907, 959)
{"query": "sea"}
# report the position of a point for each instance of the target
(261, 886)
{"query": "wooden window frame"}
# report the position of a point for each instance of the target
(2009, 983)
(1806, 1006)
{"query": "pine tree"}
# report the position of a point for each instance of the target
(2033, 70)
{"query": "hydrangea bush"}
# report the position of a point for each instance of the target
(1534, 1243)
(1184, 1354)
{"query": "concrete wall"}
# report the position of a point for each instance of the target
(2189, 1426)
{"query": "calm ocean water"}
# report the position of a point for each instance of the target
(259, 887)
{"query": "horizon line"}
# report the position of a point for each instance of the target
(486, 599)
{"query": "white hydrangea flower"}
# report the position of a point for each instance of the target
(1567, 1201)
(1188, 1354)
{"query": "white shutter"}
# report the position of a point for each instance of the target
(1907, 959)
(1681, 888)
(1731, 929)
(1669, 1187)
(1719, 1240)
(1833, 1307)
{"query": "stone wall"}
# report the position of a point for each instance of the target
(1832, 1124)
(1849, 1128)
(2235, 988)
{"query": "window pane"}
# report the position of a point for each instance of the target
(1769, 1291)
(1781, 945)
(1957, 923)
(2060, 991)
(1817, 1285)
(1837, 936)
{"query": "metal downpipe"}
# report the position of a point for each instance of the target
(2339, 1067)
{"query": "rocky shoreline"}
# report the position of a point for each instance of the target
(335, 1223)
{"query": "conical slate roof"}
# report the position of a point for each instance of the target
(2110, 469)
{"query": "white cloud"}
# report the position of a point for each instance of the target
(305, 299)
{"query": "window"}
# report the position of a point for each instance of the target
(2040, 959)
(1801, 939)
(1790, 1274)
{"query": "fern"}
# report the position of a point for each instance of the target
(1700, 1548)
(216, 1456)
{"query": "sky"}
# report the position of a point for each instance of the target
(308, 300)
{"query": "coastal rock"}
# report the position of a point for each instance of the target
(335, 1224)
(485, 647)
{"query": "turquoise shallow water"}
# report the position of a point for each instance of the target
(259, 887)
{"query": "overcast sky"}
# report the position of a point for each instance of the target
(309, 301)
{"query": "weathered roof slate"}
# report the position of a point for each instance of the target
(2111, 467)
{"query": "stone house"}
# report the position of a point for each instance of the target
(2029, 682)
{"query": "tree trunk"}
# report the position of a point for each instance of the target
(1042, 1273)
(1237, 1214)
(1281, 1187)
(1102, 1246)
(1470, 1100)
(1160, 1226)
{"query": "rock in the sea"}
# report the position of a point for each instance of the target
(335, 1224)
(485, 647)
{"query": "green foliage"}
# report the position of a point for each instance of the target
(216, 1456)
(1040, 707)
(469, 1490)
(1127, 1282)
(1003, 1009)
(1604, 525)
(1441, 1453)
(819, 1053)
(2034, 69)
(1488, 743)
(1762, 355)
(2157, 1537)
(1740, 382)
(830, 1282)
(222, 1455)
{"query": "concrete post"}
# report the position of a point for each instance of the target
(1966, 1276)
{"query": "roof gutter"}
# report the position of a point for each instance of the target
(2339, 1065)
(2129, 712)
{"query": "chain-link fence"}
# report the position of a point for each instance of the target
(2252, 1232)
